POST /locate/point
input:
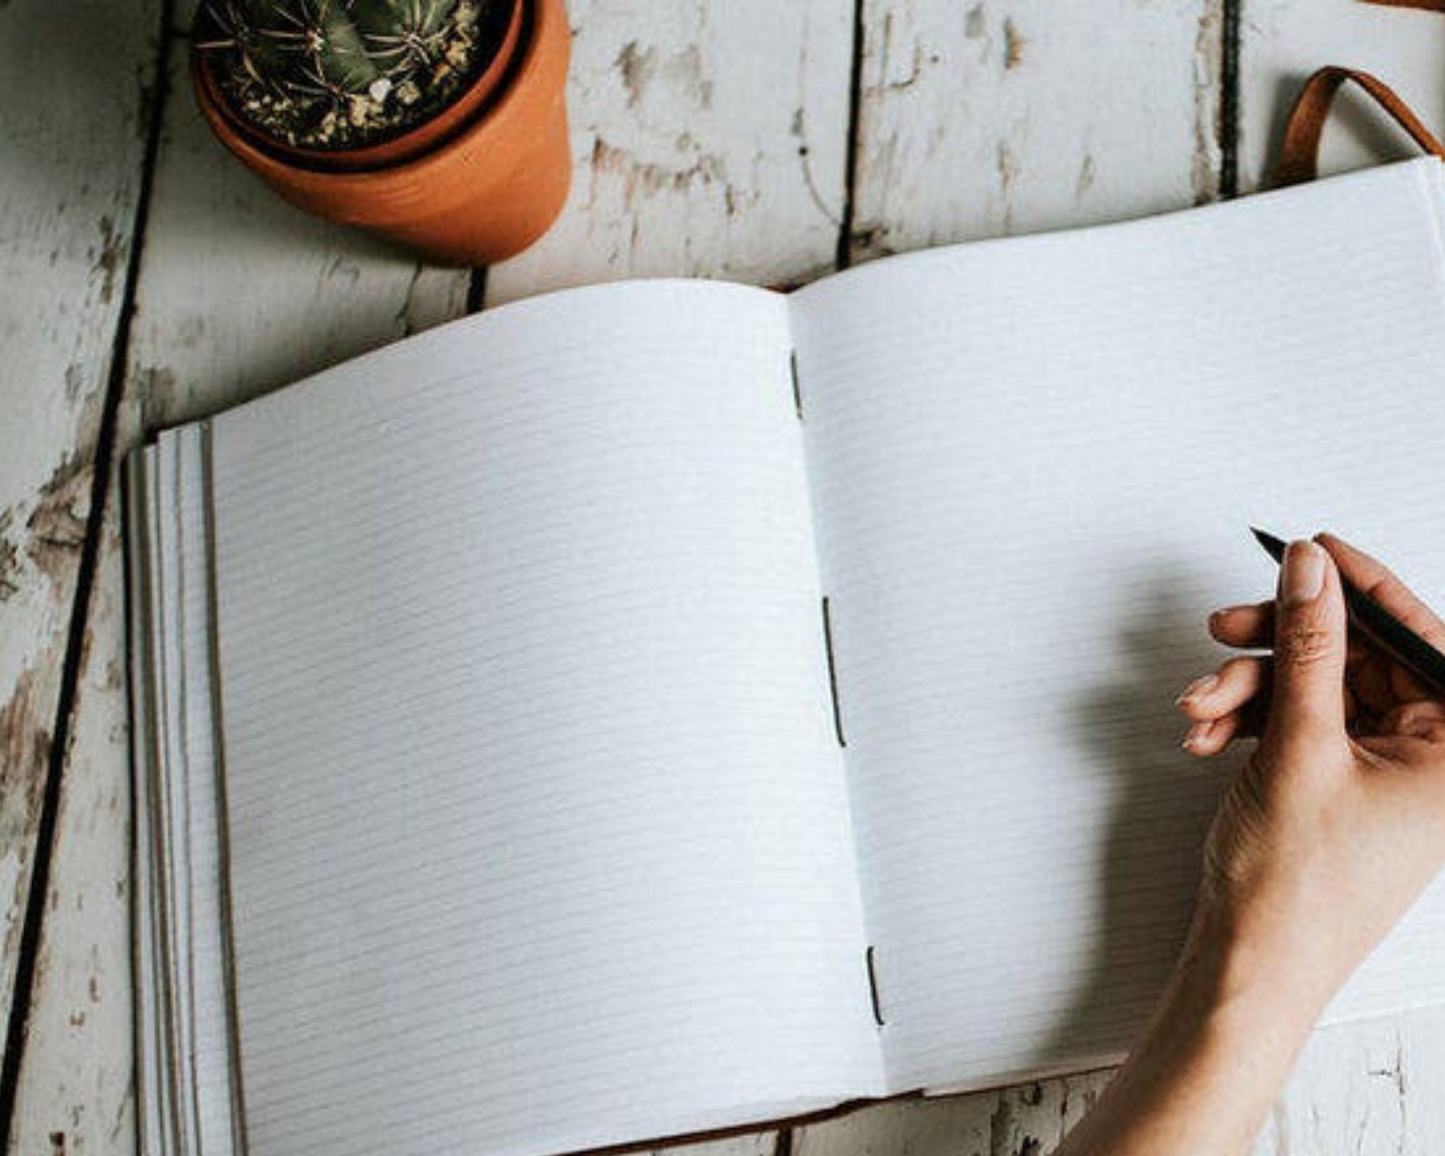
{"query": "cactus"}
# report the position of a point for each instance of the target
(304, 69)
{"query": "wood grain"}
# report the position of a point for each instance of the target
(1027, 1120)
(709, 139)
(992, 117)
(1365, 1089)
(74, 74)
(75, 1093)
(755, 1144)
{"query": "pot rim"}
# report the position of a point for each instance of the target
(395, 153)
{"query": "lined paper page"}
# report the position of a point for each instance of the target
(539, 831)
(1033, 464)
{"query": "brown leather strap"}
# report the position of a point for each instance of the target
(1428, 5)
(1299, 154)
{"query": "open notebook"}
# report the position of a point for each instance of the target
(673, 705)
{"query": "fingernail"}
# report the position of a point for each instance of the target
(1196, 735)
(1302, 576)
(1226, 611)
(1197, 689)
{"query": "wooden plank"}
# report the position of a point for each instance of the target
(709, 139)
(237, 293)
(1365, 1089)
(1027, 1120)
(1283, 41)
(75, 1093)
(73, 140)
(992, 117)
(754, 1144)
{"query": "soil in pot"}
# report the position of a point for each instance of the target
(369, 105)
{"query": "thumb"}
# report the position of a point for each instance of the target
(1309, 648)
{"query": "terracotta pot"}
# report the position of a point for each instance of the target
(481, 195)
(412, 143)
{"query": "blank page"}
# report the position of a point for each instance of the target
(539, 833)
(1034, 463)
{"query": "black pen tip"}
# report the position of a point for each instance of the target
(1273, 546)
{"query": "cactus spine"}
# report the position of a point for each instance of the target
(301, 66)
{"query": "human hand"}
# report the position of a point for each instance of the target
(1324, 838)
(1337, 821)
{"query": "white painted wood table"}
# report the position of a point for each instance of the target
(148, 279)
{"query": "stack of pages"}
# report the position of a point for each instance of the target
(671, 706)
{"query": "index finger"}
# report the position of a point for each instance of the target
(1374, 580)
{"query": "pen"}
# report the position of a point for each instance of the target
(1380, 628)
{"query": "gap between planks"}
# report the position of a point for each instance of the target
(844, 255)
(1230, 51)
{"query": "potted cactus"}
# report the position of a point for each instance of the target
(437, 123)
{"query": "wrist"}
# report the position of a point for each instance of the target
(1236, 1010)
(1213, 1058)
(1234, 970)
